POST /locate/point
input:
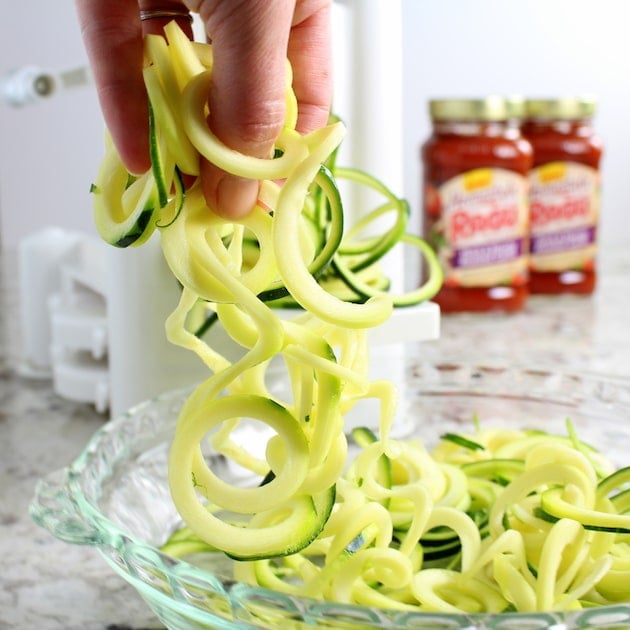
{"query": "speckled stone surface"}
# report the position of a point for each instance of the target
(46, 584)
(573, 332)
(49, 585)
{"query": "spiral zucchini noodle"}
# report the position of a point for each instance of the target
(492, 521)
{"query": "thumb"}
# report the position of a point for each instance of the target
(247, 95)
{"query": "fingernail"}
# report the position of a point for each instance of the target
(235, 196)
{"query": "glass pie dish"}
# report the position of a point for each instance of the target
(115, 498)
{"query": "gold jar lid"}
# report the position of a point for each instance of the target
(490, 108)
(516, 107)
(568, 108)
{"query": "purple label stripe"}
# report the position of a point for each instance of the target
(488, 254)
(563, 241)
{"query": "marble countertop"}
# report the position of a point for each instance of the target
(49, 585)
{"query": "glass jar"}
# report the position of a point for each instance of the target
(564, 195)
(475, 202)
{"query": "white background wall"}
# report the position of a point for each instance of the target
(49, 152)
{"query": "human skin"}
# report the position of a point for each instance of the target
(251, 40)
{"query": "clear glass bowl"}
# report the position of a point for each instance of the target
(115, 497)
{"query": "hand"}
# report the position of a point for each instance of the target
(251, 41)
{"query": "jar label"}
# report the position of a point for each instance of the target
(480, 232)
(564, 214)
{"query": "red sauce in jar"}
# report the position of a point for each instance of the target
(475, 204)
(565, 195)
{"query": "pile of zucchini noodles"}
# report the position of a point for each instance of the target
(494, 521)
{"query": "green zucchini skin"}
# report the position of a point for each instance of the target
(137, 231)
(322, 505)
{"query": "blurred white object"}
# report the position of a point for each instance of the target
(79, 322)
(77, 377)
(79, 341)
(40, 258)
(368, 96)
(27, 85)
(30, 84)
(64, 316)
(141, 294)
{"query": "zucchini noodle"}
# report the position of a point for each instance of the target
(492, 521)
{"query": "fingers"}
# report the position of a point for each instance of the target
(251, 41)
(309, 52)
(112, 34)
(247, 97)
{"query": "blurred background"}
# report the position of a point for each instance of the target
(50, 149)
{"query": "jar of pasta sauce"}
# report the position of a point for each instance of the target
(475, 207)
(564, 195)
